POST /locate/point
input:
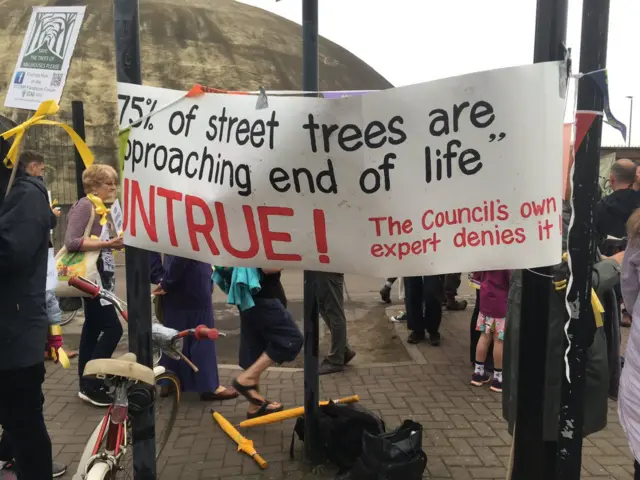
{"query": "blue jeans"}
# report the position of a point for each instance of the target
(101, 333)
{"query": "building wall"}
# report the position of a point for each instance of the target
(632, 153)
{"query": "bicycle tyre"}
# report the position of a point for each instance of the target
(175, 383)
(99, 471)
(67, 317)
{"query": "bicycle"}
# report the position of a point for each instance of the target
(69, 306)
(107, 453)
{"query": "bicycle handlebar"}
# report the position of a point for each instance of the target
(84, 286)
(201, 332)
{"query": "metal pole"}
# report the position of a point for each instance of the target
(129, 70)
(630, 97)
(582, 241)
(531, 454)
(311, 318)
(77, 118)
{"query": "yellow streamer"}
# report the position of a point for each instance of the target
(46, 109)
(101, 208)
(123, 137)
(596, 305)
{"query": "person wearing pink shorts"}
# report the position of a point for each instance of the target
(494, 292)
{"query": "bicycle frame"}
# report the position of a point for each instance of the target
(115, 432)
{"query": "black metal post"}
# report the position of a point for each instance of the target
(129, 70)
(582, 241)
(311, 318)
(77, 118)
(531, 455)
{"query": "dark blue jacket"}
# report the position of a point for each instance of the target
(25, 220)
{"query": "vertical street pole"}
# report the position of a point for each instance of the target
(77, 118)
(129, 70)
(531, 454)
(311, 318)
(582, 241)
(630, 97)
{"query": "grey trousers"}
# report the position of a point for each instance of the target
(330, 296)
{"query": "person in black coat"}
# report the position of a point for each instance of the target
(25, 220)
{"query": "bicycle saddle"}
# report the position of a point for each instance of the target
(125, 366)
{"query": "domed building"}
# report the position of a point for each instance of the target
(218, 43)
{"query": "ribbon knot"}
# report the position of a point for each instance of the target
(100, 207)
(46, 109)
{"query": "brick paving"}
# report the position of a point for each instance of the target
(464, 437)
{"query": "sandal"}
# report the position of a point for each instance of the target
(263, 404)
(223, 394)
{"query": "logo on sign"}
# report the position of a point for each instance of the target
(19, 78)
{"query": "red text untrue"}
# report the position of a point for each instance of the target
(139, 204)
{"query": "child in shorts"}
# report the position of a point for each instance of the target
(494, 292)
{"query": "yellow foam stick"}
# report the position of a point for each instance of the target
(290, 413)
(244, 444)
(60, 357)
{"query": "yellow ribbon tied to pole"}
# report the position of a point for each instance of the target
(596, 304)
(46, 109)
(244, 444)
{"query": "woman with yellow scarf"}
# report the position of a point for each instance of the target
(102, 330)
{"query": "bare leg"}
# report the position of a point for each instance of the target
(251, 376)
(483, 347)
(497, 352)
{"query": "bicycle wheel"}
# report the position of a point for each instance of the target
(67, 317)
(166, 404)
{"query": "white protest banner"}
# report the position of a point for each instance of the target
(41, 70)
(460, 174)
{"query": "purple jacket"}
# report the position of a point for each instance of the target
(494, 293)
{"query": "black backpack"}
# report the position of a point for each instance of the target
(395, 455)
(341, 428)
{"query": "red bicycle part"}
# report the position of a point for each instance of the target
(84, 286)
(203, 332)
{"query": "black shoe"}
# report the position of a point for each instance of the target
(435, 339)
(59, 469)
(456, 305)
(416, 337)
(385, 294)
(348, 356)
(326, 368)
(98, 398)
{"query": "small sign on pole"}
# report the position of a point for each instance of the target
(43, 63)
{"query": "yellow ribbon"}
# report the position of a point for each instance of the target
(46, 109)
(596, 304)
(101, 209)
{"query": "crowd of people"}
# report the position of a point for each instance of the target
(268, 333)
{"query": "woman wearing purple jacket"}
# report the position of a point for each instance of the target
(494, 293)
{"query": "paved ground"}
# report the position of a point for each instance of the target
(465, 436)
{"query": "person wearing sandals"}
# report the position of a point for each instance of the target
(268, 334)
(185, 288)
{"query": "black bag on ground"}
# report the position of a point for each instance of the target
(341, 428)
(395, 455)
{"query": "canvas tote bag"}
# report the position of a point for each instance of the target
(82, 264)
